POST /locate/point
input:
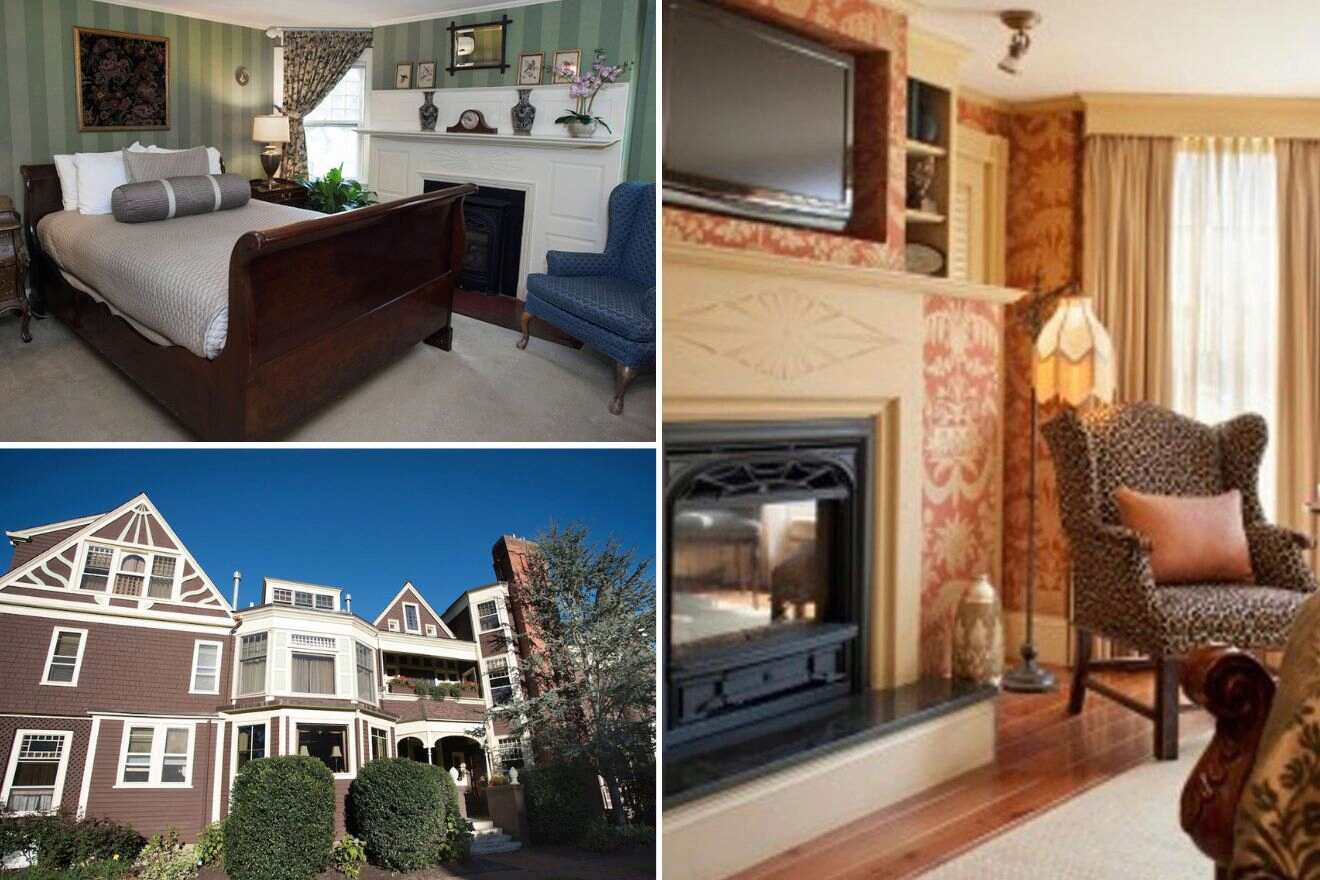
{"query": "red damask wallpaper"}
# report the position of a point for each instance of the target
(1044, 244)
(982, 117)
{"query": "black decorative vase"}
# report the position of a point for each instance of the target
(524, 114)
(428, 112)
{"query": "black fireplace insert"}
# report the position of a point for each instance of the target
(494, 221)
(766, 566)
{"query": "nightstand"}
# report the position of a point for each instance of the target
(13, 267)
(280, 192)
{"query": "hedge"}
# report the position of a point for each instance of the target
(59, 841)
(397, 807)
(562, 801)
(281, 822)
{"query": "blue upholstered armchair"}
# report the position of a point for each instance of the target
(606, 300)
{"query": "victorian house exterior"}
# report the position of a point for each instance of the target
(131, 689)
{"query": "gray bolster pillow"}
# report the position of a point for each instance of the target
(150, 200)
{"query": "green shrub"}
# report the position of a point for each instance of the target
(281, 822)
(397, 806)
(105, 869)
(603, 837)
(457, 843)
(165, 858)
(562, 800)
(210, 847)
(348, 856)
(60, 841)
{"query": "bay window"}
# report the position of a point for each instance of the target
(252, 665)
(366, 674)
(313, 674)
(251, 743)
(326, 742)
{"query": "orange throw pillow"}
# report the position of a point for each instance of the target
(1193, 539)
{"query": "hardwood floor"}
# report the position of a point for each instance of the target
(1043, 757)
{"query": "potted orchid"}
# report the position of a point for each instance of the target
(584, 88)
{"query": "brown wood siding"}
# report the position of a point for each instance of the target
(27, 551)
(341, 794)
(82, 731)
(124, 669)
(424, 617)
(153, 810)
(225, 745)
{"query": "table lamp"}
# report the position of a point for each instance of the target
(273, 131)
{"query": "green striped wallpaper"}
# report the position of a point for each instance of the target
(618, 28)
(207, 106)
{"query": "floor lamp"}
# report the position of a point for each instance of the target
(1072, 365)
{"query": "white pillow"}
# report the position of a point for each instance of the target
(68, 174)
(212, 154)
(98, 175)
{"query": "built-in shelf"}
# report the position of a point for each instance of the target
(921, 148)
(915, 216)
(534, 140)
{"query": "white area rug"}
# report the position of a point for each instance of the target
(1124, 828)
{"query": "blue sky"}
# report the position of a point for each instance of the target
(365, 520)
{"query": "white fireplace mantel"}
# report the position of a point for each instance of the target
(528, 140)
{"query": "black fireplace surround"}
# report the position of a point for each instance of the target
(493, 218)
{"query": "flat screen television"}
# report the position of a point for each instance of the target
(758, 122)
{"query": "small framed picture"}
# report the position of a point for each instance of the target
(403, 75)
(571, 57)
(425, 74)
(529, 68)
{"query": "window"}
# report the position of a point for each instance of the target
(313, 674)
(501, 685)
(324, 602)
(206, 668)
(132, 570)
(380, 743)
(325, 742)
(282, 597)
(156, 755)
(430, 630)
(393, 624)
(331, 140)
(161, 585)
(251, 743)
(96, 569)
(64, 658)
(302, 600)
(488, 616)
(411, 618)
(252, 665)
(35, 781)
(366, 674)
(511, 752)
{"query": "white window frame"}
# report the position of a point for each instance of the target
(50, 655)
(157, 753)
(332, 653)
(417, 610)
(499, 615)
(233, 746)
(117, 553)
(236, 686)
(219, 665)
(351, 734)
(61, 770)
(363, 62)
(393, 625)
(431, 631)
(371, 735)
(509, 668)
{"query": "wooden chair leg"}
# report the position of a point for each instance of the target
(1167, 674)
(526, 327)
(1081, 665)
(623, 377)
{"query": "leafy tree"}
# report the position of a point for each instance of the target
(587, 691)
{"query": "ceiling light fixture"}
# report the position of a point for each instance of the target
(1019, 21)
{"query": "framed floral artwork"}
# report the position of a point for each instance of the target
(403, 75)
(529, 68)
(567, 58)
(425, 74)
(122, 81)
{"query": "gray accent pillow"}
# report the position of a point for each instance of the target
(158, 166)
(179, 197)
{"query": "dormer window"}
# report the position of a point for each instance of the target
(307, 599)
(129, 572)
(302, 600)
(96, 569)
(325, 603)
(282, 597)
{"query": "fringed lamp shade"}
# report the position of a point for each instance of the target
(1074, 360)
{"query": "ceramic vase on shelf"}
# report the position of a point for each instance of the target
(978, 635)
(428, 113)
(524, 114)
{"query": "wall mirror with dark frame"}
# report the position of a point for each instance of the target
(479, 46)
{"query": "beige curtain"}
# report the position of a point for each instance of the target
(1299, 331)
(1126, 208)
(314, 63)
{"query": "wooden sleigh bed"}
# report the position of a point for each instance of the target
(314, 308)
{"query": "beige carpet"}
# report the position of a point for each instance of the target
(56, 388)
(1125, 828)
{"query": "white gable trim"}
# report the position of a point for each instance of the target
(24, 534)
(408, 585)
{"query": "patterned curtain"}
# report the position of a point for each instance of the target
(314, 62)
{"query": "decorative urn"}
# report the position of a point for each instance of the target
(524, 113)
(428, 113)
(978, 635)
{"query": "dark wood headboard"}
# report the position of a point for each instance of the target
(41, 196)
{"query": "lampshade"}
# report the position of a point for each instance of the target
(302, 750)
(1074, 359)
(271, 129)
(336, 752)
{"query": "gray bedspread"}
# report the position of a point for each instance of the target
(171, 277)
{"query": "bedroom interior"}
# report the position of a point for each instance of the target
(990, 386)
(173, 293)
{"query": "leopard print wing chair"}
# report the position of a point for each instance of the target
(1153, 450)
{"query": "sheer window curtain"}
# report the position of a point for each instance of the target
(1224, 286)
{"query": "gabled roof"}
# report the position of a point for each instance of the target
(137, 521)
(29, 533)
(408, 585)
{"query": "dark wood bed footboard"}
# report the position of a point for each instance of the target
(314, 307)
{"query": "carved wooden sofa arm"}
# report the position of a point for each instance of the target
(1238, 691)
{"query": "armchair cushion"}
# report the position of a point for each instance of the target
(616, 305)
(1248, 615)
(1192, 538)
(569, 263)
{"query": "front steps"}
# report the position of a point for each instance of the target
(488, 840)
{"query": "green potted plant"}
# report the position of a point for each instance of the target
(334, 193)
(580, 121)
